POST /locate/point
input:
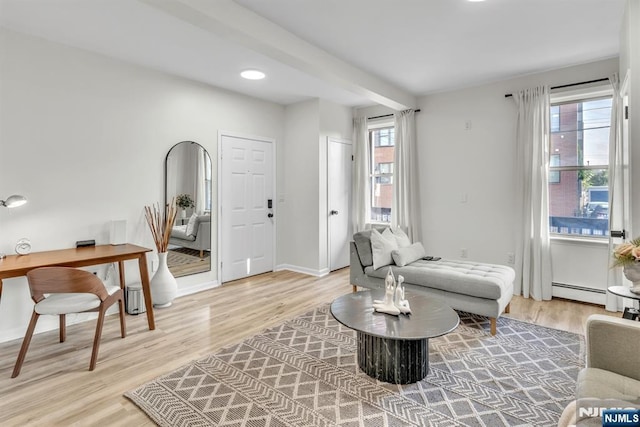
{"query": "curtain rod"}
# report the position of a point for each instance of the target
(388, 115)
(571, 84)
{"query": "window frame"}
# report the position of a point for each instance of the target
(592, 93)
(373, 176)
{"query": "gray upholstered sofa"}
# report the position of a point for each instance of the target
(611, 378)
(484, 289)
(194, 235)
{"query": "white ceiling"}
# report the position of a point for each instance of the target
(353, 52)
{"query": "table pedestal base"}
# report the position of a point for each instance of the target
(393, 361)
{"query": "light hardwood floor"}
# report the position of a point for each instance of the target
(56, 388)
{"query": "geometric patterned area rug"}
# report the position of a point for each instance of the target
(304, 372)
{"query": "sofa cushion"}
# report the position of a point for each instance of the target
(382, 244)
(406, 255)
(488, 281)
(363, 246)
(402, 238)
(362, 239)
(192, 228)
(180, 232)
(594, 382)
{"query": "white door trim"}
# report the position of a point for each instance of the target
(330, 140)
(221, 134)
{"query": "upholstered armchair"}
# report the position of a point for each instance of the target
(611, 378)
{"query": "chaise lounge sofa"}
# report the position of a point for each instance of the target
(484, 289)
(194, 235)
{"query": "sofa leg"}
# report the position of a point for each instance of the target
(494, 324)
(354, 288)
(507, 309)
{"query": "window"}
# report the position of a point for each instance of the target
(578, 167)
(554, 175)
(382, 142)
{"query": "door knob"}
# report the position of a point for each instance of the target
(270, 215)
(333, 212)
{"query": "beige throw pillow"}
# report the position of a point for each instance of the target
(381, 247)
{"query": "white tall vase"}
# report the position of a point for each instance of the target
(632, 272)
(164, 286)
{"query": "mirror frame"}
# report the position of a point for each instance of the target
(166, 196)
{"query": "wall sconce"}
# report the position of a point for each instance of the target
(13, 201)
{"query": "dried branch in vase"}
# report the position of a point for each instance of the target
(160, 223)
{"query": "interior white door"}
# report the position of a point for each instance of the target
(339, 163)
(247, 220)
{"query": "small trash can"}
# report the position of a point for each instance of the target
(134, 299)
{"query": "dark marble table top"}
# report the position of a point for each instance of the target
(429, 316)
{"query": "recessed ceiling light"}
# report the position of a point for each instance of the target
(253, 74)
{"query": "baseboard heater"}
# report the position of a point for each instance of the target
(578, 288)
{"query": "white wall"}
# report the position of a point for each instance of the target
(84, 137)
(467, 176)
(303, 238)
(297, 225)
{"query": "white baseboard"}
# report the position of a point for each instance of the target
(303, 270)
(50, 323)
(593, 296)
(198, 287)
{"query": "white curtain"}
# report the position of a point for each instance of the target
(201, 176)
(533, 258)
(405, 205)
(616, 188)
(361, 194)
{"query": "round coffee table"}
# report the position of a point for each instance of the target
(625, 291)
(394, 349)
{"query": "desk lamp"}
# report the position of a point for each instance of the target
(12, 202)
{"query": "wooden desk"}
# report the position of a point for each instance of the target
(19, 265)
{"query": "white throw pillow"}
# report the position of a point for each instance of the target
(191, 225)
(402, 238)
(409, 254)
(381, 247)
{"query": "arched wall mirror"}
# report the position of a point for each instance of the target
(188, 179)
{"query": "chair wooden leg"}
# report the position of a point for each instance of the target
(201, 253)
(25, 344)
(494, 324)
(96, 339)
(63, 327)
(123, 328)
(507, 309)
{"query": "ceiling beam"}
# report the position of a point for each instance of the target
(233, 22)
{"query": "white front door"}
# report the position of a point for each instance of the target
(339, 162)
(247, 221)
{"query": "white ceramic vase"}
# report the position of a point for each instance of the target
(164, 286)
(183, 213)
(632, 272)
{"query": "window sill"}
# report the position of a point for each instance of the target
(378, 224)
(580, 240)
